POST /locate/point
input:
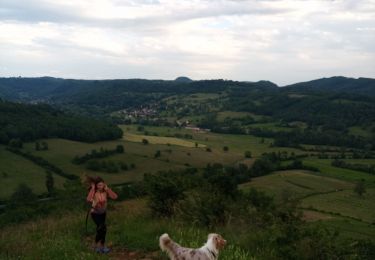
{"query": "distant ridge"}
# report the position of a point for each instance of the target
(183, 79)
(363, 86)
(111, 91)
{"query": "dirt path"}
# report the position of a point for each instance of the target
(124, 254)
(119, 253)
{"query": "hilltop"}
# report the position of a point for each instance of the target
(360, 86)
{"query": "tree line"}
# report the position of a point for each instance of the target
(368, 168)
(43, 163)
(94, 154)
(31, 122)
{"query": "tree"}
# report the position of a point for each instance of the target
(247, 154)
(44, 145)
(360, 188)
(37, 146)
(164, 193)
(262, 167)
(16, 143)
(225, 148)
(50, 183)
(23, 195)
(297, 164)
(120, 148)
(93, 165)
(124, 166)
(157, 154)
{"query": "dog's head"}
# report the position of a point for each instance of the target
(217, 240)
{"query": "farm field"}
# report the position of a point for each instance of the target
(176, 153)
(345, 203)
(15, 170)
(322, 198)
(236, 143)
(62, 151)
(324, 165)
(160, 140)
(348, 228)
(298, 183)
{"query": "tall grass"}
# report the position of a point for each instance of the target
(47, 238)
(130, 228)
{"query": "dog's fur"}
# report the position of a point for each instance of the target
(209, 251)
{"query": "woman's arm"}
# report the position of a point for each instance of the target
(90, 196)
(111, 193)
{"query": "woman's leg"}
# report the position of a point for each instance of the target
(101, 228)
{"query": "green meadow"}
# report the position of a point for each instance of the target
(326, 196)
(15, 170)
(325, 200)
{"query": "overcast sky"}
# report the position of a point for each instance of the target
(282, 41)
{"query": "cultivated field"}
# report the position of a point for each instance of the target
(323, 199)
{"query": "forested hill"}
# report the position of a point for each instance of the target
(24, 122)
(95, 97)
(331, 107)
(56, 89)
(361, 86)
(87, 91)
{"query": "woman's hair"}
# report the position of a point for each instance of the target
(90, 180)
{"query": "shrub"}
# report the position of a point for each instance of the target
(15, 143)
(157, 154)
(164, 193)
(120, 148)
(23, 195)
(247, 154)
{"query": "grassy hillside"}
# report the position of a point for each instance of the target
(326, 200)
(344, 174)
(132, 233)
(299, 183)
(15, 170)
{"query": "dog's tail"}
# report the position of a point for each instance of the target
(165, 242)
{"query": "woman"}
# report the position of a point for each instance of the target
(99, 192)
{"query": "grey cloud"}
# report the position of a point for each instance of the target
(335, 46)
(38, 11)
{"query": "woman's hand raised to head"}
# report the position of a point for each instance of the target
(110, 192)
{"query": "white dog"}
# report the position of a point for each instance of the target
(209, 251)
